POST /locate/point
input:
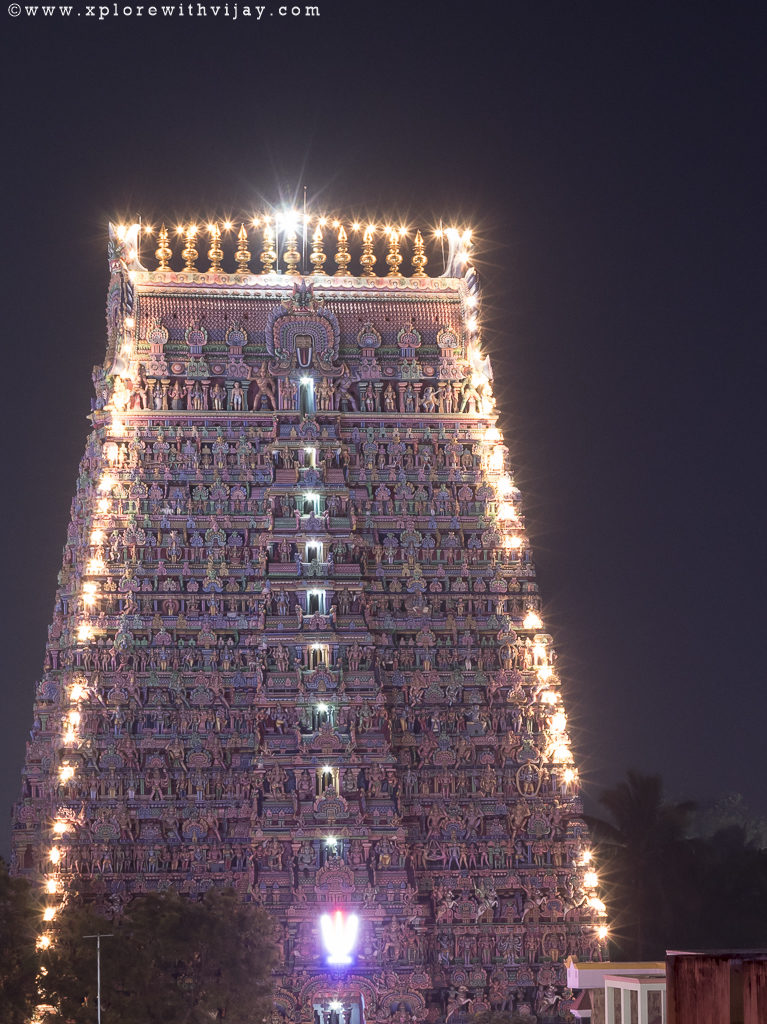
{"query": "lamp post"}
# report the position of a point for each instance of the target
(98, 937)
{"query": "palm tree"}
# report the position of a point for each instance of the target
(648, 859)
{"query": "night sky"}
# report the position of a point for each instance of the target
(611, 159)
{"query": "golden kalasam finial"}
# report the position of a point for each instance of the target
(419, 259)
(163, 252)
(368, 257)
(189, 252)
(215, 253)
(317, 256)
(292, 255)
(394, 256)
(342, 256)
(269, 254)
(242, 256)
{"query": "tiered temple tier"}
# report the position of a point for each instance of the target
(297, 646)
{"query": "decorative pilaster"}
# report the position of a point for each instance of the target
(292, 255)
(342, 257)
(269, 253)
(163, 252)
(242, 256)
(189, 252)
(394, 256)
(215, 253)
(318, 256)
(368, 257)
(419, 259)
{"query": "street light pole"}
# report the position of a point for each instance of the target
(98, 937)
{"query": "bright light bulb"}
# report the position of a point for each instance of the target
(532, 620)
(43, 941)
(106, 483)
(596, 904)
(60, 827)
(66, 772)
(506, 511)
(97, 536)
(54, 855)
(288, 221)
(84, 632)
(559, 722)
(591, 879)
(545, 672)
(339, 935)
(492, 434)
(602, 931)
(103, 505)
(49, 913)
(496, 461)
(76, 691)
(51, 886)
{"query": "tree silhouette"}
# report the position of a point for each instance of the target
(20, 918)
(169, 959)
(732, 872)
(648, 865)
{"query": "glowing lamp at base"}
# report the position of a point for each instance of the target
(339, 936)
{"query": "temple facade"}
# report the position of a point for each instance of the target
(297, 646)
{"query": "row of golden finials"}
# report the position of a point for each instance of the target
(291, 255)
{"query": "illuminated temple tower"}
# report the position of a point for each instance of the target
(297, 646)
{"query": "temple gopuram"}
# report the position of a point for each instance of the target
(297, 646)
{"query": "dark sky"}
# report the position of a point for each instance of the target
(611, 158)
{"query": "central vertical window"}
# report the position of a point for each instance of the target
(319, 656)
(306, 396)
(313, 551)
